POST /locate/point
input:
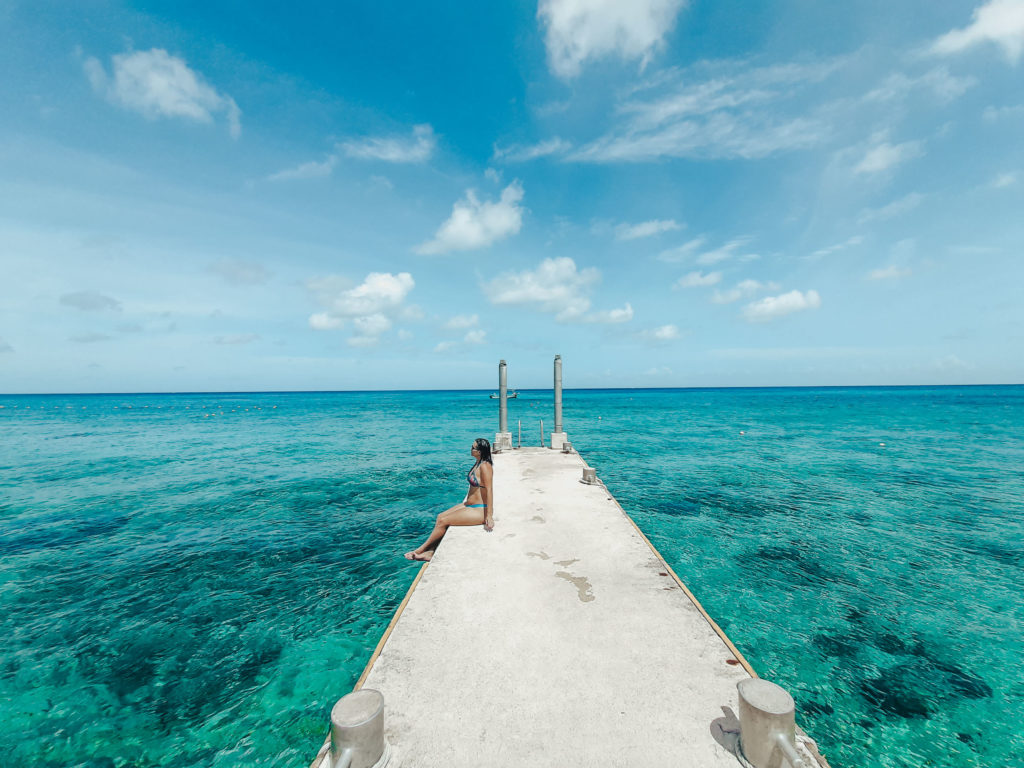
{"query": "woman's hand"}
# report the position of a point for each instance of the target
(488, 523)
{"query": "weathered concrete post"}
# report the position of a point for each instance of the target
(558, 437)
(357, 731)
(767, 725)
(503, 438)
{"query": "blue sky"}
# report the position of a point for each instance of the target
(232, 196)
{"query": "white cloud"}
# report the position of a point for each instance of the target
(474, 224)
(314, 169)
(645, 229)
(555, 286)
(156, 84)
(893, 209)
(716, 110)
(698, 279)
(472, 338)
(369, 306)
(888, 273)
(462, 321)
(90, 301)
(579, 30)
(662, 333)
(883, 156)
(239, 272)
(771, 307)
(611, 316)
(522, 154)
(997, 21)
(1004, 180)
(418, 149)
(742, 290)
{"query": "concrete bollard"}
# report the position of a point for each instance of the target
(558, 436)
(357, 731)
(503, 438)
(589, 476)
(767, 725)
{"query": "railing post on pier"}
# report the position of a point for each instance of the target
(503, 439)
(767, 725)
(357, 731)
(558, 437)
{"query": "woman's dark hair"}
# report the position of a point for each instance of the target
(482, 445)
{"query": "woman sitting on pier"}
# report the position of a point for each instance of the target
(476, 509)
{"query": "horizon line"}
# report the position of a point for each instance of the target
(491, 389)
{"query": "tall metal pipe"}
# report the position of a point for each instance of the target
(502, 398)
(558, 394)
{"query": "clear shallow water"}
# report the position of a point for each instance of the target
(192, 580)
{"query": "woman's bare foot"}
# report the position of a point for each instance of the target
(422, 557)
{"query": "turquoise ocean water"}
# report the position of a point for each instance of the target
(193, 580)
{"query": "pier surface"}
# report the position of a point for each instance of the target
(559, 639)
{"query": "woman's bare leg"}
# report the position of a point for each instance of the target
(457, 515)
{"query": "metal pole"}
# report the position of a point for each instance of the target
(502, 397)
(558, 393)
(520, 445)
(542, 433)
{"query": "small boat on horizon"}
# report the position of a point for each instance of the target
(510, 395)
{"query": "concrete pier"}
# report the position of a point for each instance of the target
(560, 639)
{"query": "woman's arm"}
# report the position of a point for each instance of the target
(486, 490)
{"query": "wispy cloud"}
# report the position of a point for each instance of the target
(156, 84)
(477, 224)
(5, 347)
(575, 32)
(772, 307)
(646, 229)
(716, 110)
(1004, 180)
(461, 322)
(240, 272)
(524, 153)
(938, 81)
(892, 210)
(388, 149)
(682, 252)
(742, 290)
(237, 339)
(726, 252)
(89, 338)
(836, 247)
(392, 149)
(891, 272)
(370, 307)
(1000, 22)
(315, 169)
(90, 301)
(883, 156)
(557, 287)
(698, 279)
(661, 334)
